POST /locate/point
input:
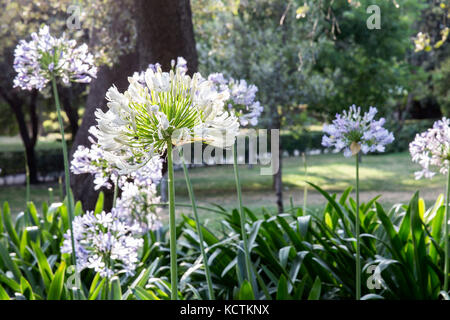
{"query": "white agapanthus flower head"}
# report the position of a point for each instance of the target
(105, 243)
(168, 107)
(432, 149)
(45, 57)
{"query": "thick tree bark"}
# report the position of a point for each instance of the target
(164, 32)
(278, 182)
(82, 185)
(70, 110)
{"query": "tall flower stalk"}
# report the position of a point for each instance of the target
(27, 191)
(172, 223)
(357, 231)
(431, 149)
(305, 189)
(161, 110)
(446, 263)
(248, 265)
(199, 229)
(70, 206)
(353, 133)
(46, 59)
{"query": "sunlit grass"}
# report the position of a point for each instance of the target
(333, 172)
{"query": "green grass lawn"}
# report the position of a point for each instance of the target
(15, 195)
(391, 176)
(332, 172)
(386, 174)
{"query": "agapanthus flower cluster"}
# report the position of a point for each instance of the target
(97, 161)
(92, 160)
(138, 201)
(353, 132)
(140, 205)
(241, 98)
(105, 243)
(169, 107)
(432, 149)
(43, 57)
(180, 63)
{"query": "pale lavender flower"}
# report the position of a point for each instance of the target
(432, 149)
(241, 98)
(92, 160)
(43, 57)
(139, 205)
(105, 243)
(138, 201)
(97, 161)
(353, 130)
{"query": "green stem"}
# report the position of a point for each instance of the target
(242, 215)
(116, 189)
(70, 207)
(27, 177)
(172, 225)
(198, 225)
(305, 192)
(446, 266)
(27, 191)
(358, 256)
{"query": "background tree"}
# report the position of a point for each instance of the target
(164, 31)
(368, 67)
(432, 51)
(268, 44)
(26, 17)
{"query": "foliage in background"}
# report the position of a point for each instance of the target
(441, 77)
(266, 44)
(368, 67)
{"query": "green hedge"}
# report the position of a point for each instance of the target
(48, 160)
(301, 141)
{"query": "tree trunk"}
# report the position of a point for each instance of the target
(83, 185)
(164, 32)
(30, 148)
(69, 109)
(28, 138)
(278, 183)
(277, 178)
